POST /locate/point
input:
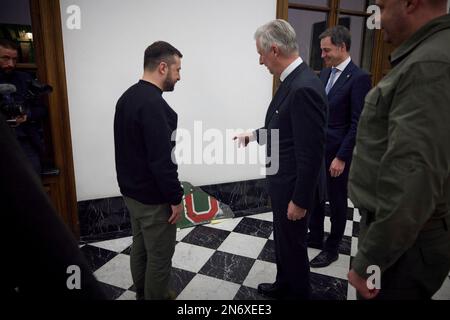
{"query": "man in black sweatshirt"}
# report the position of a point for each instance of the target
(146, 173)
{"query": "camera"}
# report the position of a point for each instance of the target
(13, 104)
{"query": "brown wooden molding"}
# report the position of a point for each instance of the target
(282, 9)
(47, 32)
(353, 13)
(333, 16)
(282, 13)
(308, 7)
(382, 64)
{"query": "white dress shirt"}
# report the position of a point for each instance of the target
(340, 67)
(290, 68)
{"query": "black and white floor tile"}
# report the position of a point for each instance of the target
(226, 260)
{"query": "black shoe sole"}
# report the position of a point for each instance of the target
(322, 265)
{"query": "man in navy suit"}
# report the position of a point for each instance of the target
(346, 86)
(295, 126)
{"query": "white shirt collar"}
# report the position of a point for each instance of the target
(341, 67)
(291, 68)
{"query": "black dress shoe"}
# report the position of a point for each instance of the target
(323, 259)
(270, 290)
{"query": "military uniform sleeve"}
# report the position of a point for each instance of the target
(414, 167)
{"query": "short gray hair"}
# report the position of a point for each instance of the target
(280, 33)
(339, 35)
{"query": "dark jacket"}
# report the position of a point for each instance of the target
(345, 103)
(143, 127)
(299, 111)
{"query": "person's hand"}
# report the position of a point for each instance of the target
(18, 120)
(176, 213)
(21, 119)
(243, 139)
(360, 285)
(295, 212)
(337, 167)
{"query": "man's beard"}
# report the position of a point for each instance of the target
(169, 84)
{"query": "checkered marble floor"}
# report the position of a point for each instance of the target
(227, 260)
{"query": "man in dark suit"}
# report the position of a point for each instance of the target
(346, 86)
(295, 125)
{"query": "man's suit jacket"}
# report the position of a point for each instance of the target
(345, 103)
(299, 111)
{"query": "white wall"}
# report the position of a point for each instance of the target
(221, 84)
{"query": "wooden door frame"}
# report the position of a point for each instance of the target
(48, 40)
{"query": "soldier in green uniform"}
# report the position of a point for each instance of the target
(400, 176)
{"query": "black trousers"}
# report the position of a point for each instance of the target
(290, 245)
(337, 196)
